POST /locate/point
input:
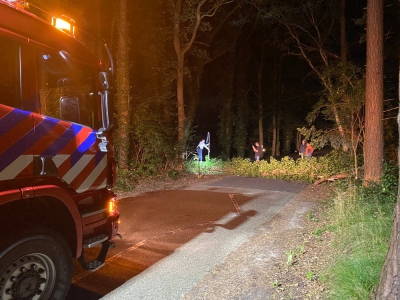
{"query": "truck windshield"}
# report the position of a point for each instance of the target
(66, 88)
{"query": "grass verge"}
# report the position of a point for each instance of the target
(363, 221)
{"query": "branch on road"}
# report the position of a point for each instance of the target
(331, 178)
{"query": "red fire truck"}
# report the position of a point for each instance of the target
(56, 157)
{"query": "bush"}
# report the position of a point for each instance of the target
(289, 169)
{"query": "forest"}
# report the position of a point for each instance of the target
(272, 71)
(244, 71)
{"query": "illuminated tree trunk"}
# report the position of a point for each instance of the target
(180, 99)
(180, 55)
(389, 284)
(373, 144)
(122, 85)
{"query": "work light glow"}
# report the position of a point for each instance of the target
(63, 25)
(18, 3)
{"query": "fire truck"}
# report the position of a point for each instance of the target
(57, 168)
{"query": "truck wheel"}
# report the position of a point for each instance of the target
(35, 265)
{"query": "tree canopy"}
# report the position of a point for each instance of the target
(272, 71)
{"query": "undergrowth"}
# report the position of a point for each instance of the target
(211, 166)
(287, 168)
(363, 218)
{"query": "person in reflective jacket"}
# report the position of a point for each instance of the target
(309, 150)
(200, 148)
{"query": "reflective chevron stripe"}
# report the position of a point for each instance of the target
(12, 170)
(72, 147)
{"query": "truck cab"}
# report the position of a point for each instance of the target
(57, 168)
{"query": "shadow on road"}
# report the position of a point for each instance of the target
(235, 222)
(78, 293)
(154, 226)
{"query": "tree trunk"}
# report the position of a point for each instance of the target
(260, 110)
(343, 37)
(194, 90)
(287, 138)
(180, 98)
(242, 115)
(274, 134)
(122, 85)
(373, 144)
(181, 47)
(278, 135)
(389, 284)
(242, 103)
(227, 115)
(298, 140)
(180, 57)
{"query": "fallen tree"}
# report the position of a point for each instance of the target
(330, 178)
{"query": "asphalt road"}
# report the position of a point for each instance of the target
(171, 239)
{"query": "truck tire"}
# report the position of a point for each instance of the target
(35, 265)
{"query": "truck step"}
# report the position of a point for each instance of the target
(97, 263)
(93, 241)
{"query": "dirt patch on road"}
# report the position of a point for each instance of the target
(282, 260)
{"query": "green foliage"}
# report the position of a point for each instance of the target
(152, 140)
(356, 276)
(211, 166)
(321, 138)
(293, 255)
(290, 255)
(240, 134)
(276, 283)
(363, 217)
(320, 231)
(341, 102)
(310, 275)
(126, 180)
(311, 216)
(289, 169)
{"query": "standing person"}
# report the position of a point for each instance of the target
(309, 150)
(256, 149)
(302, 149)
(200, 147)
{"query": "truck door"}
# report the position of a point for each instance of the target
(16, 123)
(68, 147)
